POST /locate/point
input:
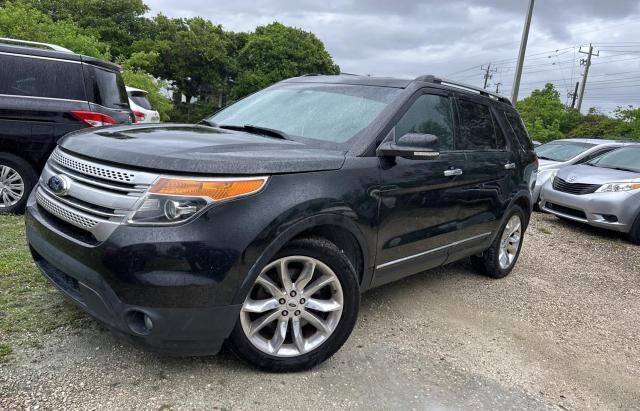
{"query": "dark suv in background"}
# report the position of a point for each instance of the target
(262, 226)
(47, 91)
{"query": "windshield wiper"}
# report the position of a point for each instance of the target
(546, 158)
(206, 122)
(623, 169)
(263, 131)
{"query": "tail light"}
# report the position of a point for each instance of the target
(139, 116)
(93, 119)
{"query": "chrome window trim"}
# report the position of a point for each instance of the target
(444, 247)
(29, 56)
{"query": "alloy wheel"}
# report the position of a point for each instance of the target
(294, 306)
(11, 187)
(510, 242)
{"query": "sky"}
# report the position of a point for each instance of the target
(456, 38)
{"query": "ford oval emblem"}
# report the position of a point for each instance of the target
(59, 185)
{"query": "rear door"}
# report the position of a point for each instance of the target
(37, 95)
(490, 173)
(419, 198)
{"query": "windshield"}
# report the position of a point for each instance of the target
(332, 113)
(564, 151)
(627, 158)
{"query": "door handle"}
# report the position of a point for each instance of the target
(510, 166)
(454, 172)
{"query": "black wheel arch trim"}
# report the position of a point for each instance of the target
(291, 231)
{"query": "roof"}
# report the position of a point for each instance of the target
(16, 49)
(350, 79)
(137, 89)
(594, 140)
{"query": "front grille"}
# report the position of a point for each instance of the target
(566, 210)
(86, 167)
(67, 214)
(99, 197)
(574, 188)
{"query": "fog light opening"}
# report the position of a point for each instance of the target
(610, 218)
(139, 322)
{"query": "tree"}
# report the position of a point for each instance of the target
(275, 52)
(22, 21)
(542, 113)
(116, 22)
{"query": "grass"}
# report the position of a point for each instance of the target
(28, 303)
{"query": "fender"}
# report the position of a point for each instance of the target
(290, 231)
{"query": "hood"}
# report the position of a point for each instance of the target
(596, 175)
(199, 149)
(544, 164)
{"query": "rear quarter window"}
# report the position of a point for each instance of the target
(41, 77)
(105, 87)
(140, 99)
(515, 122)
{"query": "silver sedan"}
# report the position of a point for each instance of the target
(567, 152)
(603, 192)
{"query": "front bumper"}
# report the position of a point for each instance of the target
(178, 285)
(613, 211)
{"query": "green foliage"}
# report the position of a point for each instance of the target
(548, 119)
(22, 21)
(115, 22)
(275, 52)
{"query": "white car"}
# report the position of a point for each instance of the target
(141, 107)
(568, 152)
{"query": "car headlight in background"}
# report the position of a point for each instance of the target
(175, 200)
(617, 187)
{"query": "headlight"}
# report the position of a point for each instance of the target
(616, 187)
(174, 200)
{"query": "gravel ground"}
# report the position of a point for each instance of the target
(560, 332)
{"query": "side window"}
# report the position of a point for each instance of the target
(477, 128)
(38, 77)
(106, 87)
(518, 129)
(429, 114)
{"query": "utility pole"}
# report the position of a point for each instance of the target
(521, 53)
(574, 95)
(586, 63)
(498, 84)
(488, 74)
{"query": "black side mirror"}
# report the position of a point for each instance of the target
(413, 146)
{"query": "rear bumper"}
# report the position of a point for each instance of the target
(613, 211)
(178, 327)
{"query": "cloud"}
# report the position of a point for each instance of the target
(407, 38)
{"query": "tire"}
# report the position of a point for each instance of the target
(634, 234)
(17, 179)
(489, 263)
(302, 345)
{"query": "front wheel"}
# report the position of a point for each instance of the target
(634, 234)
(17, 178)
(300, 310)
(499, 259)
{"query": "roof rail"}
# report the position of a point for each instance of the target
(433, 79)
(35, 44)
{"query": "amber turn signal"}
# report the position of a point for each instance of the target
(216, 190)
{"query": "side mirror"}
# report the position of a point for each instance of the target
(413, 146)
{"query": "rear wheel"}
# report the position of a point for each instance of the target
(300, 310)
(498, 261)
(17, 178)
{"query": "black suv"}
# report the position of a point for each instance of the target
(47, 91)
(262, 225)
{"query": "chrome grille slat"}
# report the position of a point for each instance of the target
(99, 197)
(64, 213)
(63, 170)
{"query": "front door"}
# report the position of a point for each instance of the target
(419, 204)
